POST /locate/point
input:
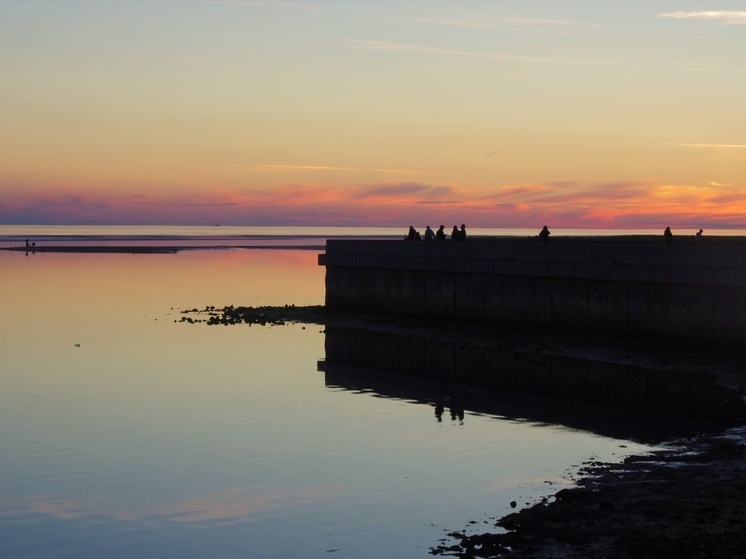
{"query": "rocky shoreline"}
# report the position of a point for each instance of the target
(687, 500)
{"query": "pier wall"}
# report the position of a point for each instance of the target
(685, 290)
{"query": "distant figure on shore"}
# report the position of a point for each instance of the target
(698, 235)
(668, 236)
(27, 245)
(544, 235)
(429, 234)
(413, 234)
(440, 235)
(455, 233)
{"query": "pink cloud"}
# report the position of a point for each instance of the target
(621, 204)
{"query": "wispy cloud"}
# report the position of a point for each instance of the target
(285, 167)
(270, 167)
(723, 17)
(241, 5)
(485, 21)
(702, 145)
(704, 68)
(423, 193)
(405, 47)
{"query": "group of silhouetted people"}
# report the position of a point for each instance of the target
(460, 234)
(668, 236)
(439, 235)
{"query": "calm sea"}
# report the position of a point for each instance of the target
(126, 432)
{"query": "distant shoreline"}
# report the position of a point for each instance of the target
(96, 249)
(140, 249)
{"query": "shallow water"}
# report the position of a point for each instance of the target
(125, 432)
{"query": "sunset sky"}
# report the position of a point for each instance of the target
(595, 113)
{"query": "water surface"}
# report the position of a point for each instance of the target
(125, 432)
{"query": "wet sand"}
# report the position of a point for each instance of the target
(685, 501)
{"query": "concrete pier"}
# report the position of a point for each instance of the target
(619, 285)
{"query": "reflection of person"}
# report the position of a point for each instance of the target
(429, 234)
(440, 235)
(544, 234)
(439, 410)
(457, 411)
(668, 236)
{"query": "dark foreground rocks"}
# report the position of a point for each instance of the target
(685, 502)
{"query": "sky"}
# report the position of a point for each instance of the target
(518, 113)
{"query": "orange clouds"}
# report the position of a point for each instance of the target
(633, 204)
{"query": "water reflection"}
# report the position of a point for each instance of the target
(454, 405)
(610, 399)
(127, 433)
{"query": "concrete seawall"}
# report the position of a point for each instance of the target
(616, 285)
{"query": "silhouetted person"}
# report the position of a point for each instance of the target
(462, 233)
(668, 236)
(27, 245)
(698, 234)
(429, 234)
(455, 233)
(544, 235)
(412, 235)
(440, 234)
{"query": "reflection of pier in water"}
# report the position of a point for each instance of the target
(616, 400)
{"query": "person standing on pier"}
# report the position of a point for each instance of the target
(668, 236)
